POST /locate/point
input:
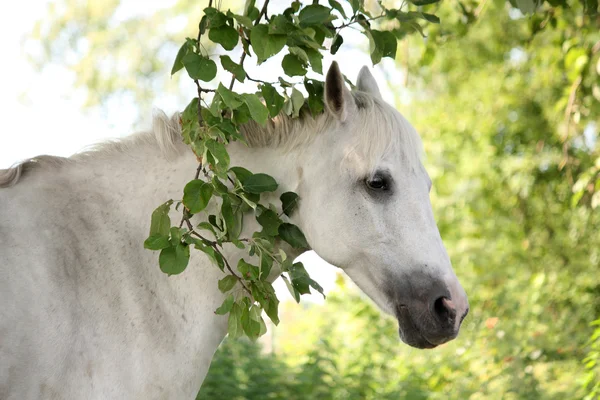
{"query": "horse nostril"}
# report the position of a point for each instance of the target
(444, 310)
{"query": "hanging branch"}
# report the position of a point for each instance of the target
(240, 190)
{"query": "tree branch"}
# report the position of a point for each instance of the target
(355, 21)
(215, 247)
(262, 13)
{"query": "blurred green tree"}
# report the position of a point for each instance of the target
(506, 96)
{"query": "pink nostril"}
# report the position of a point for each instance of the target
(444, 310)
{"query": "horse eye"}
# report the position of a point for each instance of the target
(378, 182)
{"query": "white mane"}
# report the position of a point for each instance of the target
(380, 130)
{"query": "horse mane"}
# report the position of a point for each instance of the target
(282, 132)
(165, 134)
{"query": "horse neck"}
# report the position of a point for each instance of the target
(140, 182)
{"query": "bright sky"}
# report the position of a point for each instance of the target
(43, 113)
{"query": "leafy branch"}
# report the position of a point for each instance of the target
(220, 195)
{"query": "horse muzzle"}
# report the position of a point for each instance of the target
(433, 316)
(429, 331)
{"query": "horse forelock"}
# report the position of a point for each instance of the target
(377, 130)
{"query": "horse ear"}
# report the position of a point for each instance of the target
(338, 99)
(366, 83)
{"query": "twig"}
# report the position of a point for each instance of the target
(233, 273)
(259, 81)
(241, 65)
(201, 89)
(262, 13)
(355, 21)
(215, 247)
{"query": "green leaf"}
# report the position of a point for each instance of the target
(431, 18)
(412, 15)
(417, 27)
(313, 15)
(227, 283)
(251, 322)
(160, 222)
(199, 67)
(207, 226)
(316, 95)
(216, 17)
(273, 99)
(196, 195)
(203, 23)
(297, 102)
(288, 109)
(264, 44)
(226, 306)
(293, 66)
(263, 327)
(258, 111)
(299, 278)
(301, 281)
(240, 172)
(236, 69)
(241, 115)
(356, 5)
(229, 130)
(266, 264)
(219, 152)
(293, 235)
(337, 42)
(248, 271)
(224, 35)
(253, 13)
(259, 183)
(212, 219)
(269, 220)
(215, 257)
(279, 25)
(178, 64)
(386, 44)
(231, 99)
(295, 294)
(338, 7)
(189, 122)
(300, 53)
(272, 309)
(176, 234)
(315, 57)
(241, 20)
(219, 186)
(234, 323)
(157, 241)
(228, 217)
(174, 259)
(289, 202)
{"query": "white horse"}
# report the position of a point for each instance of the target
(87, 314)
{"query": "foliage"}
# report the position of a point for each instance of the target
(592, 363)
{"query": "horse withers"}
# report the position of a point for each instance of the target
(87, 314)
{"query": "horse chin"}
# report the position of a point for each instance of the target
(409, 333)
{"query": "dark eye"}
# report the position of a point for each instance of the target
(378, 182)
